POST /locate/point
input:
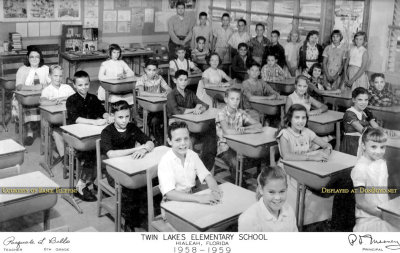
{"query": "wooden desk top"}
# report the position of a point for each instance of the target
(54, 108)
(82, 131)
(392, 206)
(32, 180)
(119, 81)
(10, 146)
(28, 93)
(286, 81)
(154, 100)
(255, 140)
(100, 55)
(210, 114)
(272, 102)
(344, 94)
(337, 162)
(217, 88)
(130, 166)
(195, 74)
(394, 142)
(327, 117)
(235, 201)
(393, 109)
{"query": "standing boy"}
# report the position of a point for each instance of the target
(183, 101)
(276, 49)
(241, 36)
(221, 35)
(202, 30)
(85, 108)
(258, 43)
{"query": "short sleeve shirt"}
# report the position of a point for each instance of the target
(153, 84)
(237, 119)
(173, 176)
(236, 39)
(335, 56)
(51, 92)
(186, 64)
(214, 76)
(300, 143)
(352, 115)
(222, 36)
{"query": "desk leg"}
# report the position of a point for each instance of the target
(21, 124)
(272, 155)
(135, 112)
(107, 97)
(42, 136)
(239, 169)
(70, 197)
(165, 123)
(337, 146)
(282, 112)
(145, 126)
(46, 164)
(46, 221)
(3, 107)
(118, 206)
(302, 204)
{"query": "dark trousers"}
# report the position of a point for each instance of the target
(172, 46)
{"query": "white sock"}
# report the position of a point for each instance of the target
(80, 185)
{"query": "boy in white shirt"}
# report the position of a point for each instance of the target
(54, 94)
(181, 62)
(179, 167)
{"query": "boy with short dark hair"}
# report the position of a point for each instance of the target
(85, 108)
(203, 30)
(274, 48)
(232, 120)
(258, 43)
(240, 62)
(119, 139)
(183, 101)
(200, 53)
(179, 167)
(271, 71)
(181, 62)
(240, 36)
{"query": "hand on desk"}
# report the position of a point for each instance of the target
(99, 122)
(139, 154)
(121, 76)
(240, 129)
(209, 199)
(319, 156)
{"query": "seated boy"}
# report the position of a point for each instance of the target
(232, 120)
(271, 71)
(200, 53)
(183, 101)
(117, 140)
(256, 88)
(181, 62)
(85, 108)
(240, 62)
(179, 167)
(151, 84)
(54, 94)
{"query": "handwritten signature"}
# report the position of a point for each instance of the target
(368, 239)
(12, 241)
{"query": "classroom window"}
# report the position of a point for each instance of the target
(348, 18)
(310, 8)
(393, 64)
(285, 7)
(239, 4)
(306, 25)
(283, 25)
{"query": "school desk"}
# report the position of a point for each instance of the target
(153, 104)
(391, 212)
(315, 175)
(269, 106)
(132, 173)
(11, 153)
(195, 217)
(285, 86)
(117, 86)
(20, 204)
(78, 137)
(26, 98)
(216, 91)
(50, 115)
(252, 146)
(198, 123)
(393, 160)
(74, 60)
(324, 124)
(7, 83)
(389, 115)
(339, 99)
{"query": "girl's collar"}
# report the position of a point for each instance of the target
(356, 112)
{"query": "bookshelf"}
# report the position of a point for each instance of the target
(72, 38)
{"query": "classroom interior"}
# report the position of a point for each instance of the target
(146, 36)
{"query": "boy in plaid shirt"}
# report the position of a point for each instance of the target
(379, 92)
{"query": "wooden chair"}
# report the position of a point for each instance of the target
(155, 223)
(111, 202)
